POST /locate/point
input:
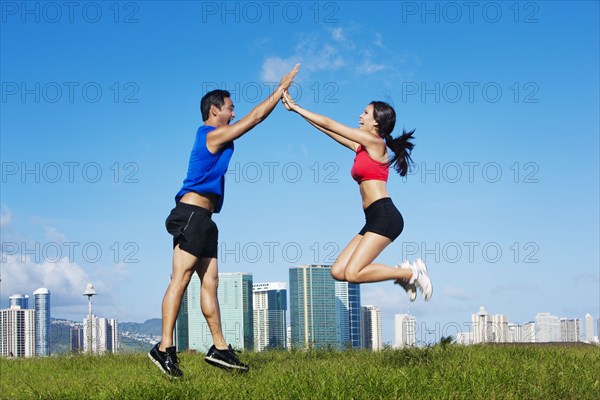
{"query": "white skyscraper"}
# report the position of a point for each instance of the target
(270, 309)
(515, 333)
(482, 327)
(405, 329)
(571, 330)
(547, 328)
(589, 328)
(105, 335)
(41, 300)
(500, 328)
(529, 332)
(371, 332)
(17, 332)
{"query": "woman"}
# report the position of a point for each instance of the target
(384, 222)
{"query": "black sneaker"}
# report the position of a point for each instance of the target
(225, 359)
(166, 361)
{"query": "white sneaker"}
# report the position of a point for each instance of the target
(421, 279)
(410, 288)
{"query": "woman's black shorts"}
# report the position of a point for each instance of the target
(384, 219)
(193, 230)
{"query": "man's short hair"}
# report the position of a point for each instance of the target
(215, 97)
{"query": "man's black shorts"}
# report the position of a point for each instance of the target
(193, 230)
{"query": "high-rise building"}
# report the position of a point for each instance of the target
(482, 327)
(515, 333)
(77, 338)
(589, 328)
(270, 310)
(529, 332)
(181, 334)
(105, 335)
(113, 338)
(198, 336)
(235, 301)
(547, 328)
(313, 311)
(17, 332)
(371, 332)
(571, 330)
(41, 300)
(21, 300)
(405, 329)
(347, 297)
(500, 328)
(464, 338)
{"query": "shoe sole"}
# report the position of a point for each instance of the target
(161, 368)
(225, 365)
(412, 294)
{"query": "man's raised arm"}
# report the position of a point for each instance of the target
(227, 133)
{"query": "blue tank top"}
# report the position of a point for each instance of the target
(206, 171)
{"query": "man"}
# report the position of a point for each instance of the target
(195, 234)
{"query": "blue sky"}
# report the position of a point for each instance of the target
(100, 108)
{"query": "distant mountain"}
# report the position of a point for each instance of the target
(151, 327)
(135, 337)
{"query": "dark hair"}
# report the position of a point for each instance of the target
(385, 116)
(216, 98)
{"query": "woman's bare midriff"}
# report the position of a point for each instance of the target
(371, 191)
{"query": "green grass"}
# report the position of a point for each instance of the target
(453, 372)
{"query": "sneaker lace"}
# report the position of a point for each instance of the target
(173, 357)
(233, 352)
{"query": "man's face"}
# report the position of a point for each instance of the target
(226, 114)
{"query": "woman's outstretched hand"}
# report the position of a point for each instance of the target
(288, 102)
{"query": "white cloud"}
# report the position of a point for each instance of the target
(274, 68)
(338, 34)
(6, 216)
(318, 56)
(378, 40)
(54, 235)
(389, 298)
(368, 67)
(66, 280)
(27, 265)
(334, 52)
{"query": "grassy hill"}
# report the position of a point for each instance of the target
(450, 372)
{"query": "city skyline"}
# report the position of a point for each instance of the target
(499, 219)
(513, 329)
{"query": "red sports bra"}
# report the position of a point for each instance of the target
(365, 168)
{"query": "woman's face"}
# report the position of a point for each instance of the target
(366, 120)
